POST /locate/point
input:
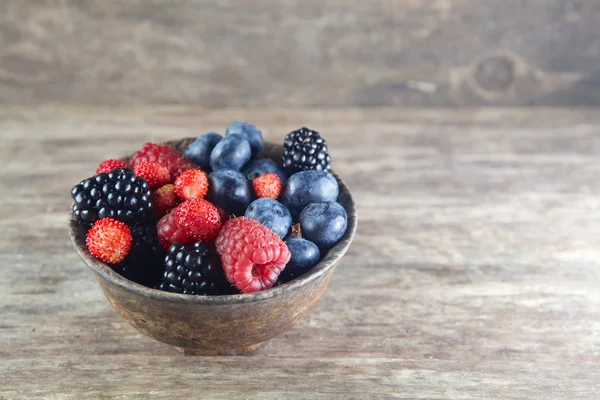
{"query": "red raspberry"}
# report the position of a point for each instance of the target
(170, 232)
(164, 155)
(164, 199)
(155, 174)
(109, 240)
(252, 255)
(267, 185)
(191, 184)
(109, 165)
(199, 219)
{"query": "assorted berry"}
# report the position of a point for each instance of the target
(170, 232)
(263, 166)
(305, 254)
(199, 219)
(164, 199)
(232, 152)
(200, 149)
(267, 186)
(324, 223)
(194, 269)
(253, 256)
(118, 194)
(165, 155)
(308, 187)
(190, 222)
(108, 165)
(155, 174)
(271, 214)
(109, 240)
(250, 133)
(191, 184)
(230, 190)
(305, 150)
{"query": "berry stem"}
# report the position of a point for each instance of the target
(296, 231)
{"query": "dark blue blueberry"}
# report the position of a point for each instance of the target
(309, 187)
(324, 223)
(251, 133)
(305, 255)
(232, 152)
(271, 214)
(263, 166)
(230, 190)
(200, 149)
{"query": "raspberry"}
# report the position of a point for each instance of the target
(170, 232)
(199, 219)
(267, 185)
(155, 174)
(191, 184)
(109, 165)
(164, 155)
(164, 199)
(252, 255)
(109, 240)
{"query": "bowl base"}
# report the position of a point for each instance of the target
(246, 350)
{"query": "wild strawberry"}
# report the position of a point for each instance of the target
(170, 232)
(109, 165)
(199, 219)
(191, 184)
(164, 155)
(252, 255)
(155, 174)
(267, 185)
(164, 199)
(109, 240)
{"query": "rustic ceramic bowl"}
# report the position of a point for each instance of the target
(217, 325)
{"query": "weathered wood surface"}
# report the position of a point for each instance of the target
(474, 273)
(300, 53)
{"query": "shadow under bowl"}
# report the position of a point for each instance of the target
(217, 325)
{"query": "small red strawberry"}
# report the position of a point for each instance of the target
(170, 232)
(267, 185)
(191, 184)
(199, 219)
(155, 174)
(252, 255)
(109, 240)
(164, 155)
(108, 165)
(164, 199)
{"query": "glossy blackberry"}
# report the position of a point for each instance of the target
(305, 150)
(145, 262)
(118, 194)
(194, 269)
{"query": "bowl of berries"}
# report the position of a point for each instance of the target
(215, 244)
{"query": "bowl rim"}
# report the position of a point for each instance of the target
(333, 256)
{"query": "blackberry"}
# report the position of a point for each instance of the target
(305, 150)
(194, 269)
(144, 263)
(118, 194)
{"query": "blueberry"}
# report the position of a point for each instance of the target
(271, 214)
(305, 255)
(262, 166)
(324, 223)
(251, 133)
(232, 152)
(230, 190)
(200, 149)
(309, 187)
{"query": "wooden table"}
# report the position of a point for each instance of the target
(475, 272)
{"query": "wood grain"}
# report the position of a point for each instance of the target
(329, 53)
(474, 273)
